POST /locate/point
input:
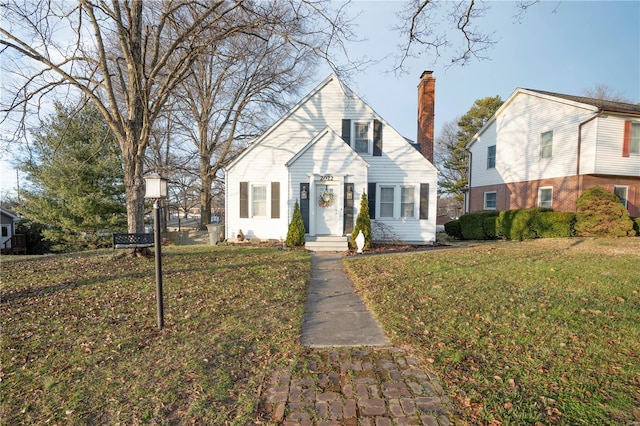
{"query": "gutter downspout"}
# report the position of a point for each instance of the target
(467, 195)
(596, 115)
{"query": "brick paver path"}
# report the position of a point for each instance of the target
(357, 387)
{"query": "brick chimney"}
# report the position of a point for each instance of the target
(426, 113)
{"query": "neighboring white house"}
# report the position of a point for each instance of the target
(8, 225)
(324, 153)
(545, 149)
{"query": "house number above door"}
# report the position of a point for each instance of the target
(326, 178)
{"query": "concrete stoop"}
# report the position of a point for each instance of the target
(326, 243)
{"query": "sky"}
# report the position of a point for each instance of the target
(559, 46)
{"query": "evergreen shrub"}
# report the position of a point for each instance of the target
(554, 224)
(491, 227)
(453, 229)
(601, 214)
(295, 234)
(636, 225)
(363, 223)
(472, 224)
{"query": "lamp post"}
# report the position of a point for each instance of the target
(156, 190)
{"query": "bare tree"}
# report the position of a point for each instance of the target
(605, 92)
(450, 28)
(128, 56)
(230, 93)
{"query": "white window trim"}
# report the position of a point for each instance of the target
(542, 147)
(369, 123)
(631, 140)
(397, 201)
(395, 197)
(543, 188)
(485, 200)
(267, 198)
(626, 194)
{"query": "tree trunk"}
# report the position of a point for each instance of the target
(205, 192)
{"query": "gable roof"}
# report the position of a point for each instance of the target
(9, 214)
(579, 101)
(348, 152)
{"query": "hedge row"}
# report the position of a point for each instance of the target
(518, 224)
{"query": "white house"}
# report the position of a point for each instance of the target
(324, 153)
(544, 149)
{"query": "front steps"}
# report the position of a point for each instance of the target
(326, 243)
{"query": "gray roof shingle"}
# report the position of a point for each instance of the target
(598, 103)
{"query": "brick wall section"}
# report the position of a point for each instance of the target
(426, 113)
(565, 192)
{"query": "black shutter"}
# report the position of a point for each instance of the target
(346, 131)
(377, 138)
(371, 197)
(304, 205)
(275, 200)
(244, 199)
(424, 201)
(348, 207)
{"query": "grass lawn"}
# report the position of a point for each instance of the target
(539, 331)
(80, 343)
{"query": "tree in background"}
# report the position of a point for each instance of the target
(363, 223)
(127, 57)
(76, 180)
(452, 157)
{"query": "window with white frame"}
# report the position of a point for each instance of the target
(259, 200)
(490, 200)
(545, 196)
(546, 144)
(491, 157)
(621, 191)
(407, 201)
(362, 139)
(387, 195)
(634, 145)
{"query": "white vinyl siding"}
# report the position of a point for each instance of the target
(266, 158)
(605, 145)
(545, 197)
(490, 200)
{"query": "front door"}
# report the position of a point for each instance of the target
(327, 208)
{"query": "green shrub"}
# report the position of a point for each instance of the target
(295, 234)
(491, 229)
(554, 224)
(363, 223)
(472, 224)
(601, 214)
(36, 243)
(636, 225)
(453, 229)
(520, 224)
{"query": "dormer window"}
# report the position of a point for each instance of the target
(363, 136)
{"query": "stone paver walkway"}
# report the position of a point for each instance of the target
(356, 387)
(349, 375)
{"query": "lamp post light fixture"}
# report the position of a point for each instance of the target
(156, 190)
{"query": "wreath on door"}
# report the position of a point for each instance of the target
(325, 199)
